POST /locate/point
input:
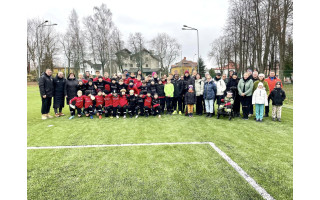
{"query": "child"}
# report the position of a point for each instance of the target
(131, 86)
(132, 102)
(107, 103)
(143, 88)
(115, 104)
(91, 88)
(99, 103)
(190, 100)
(260, 99)
(121, 86)
(147, 104)
(123, 103)
(168, 90)
(88, 104)
(227, 102)
(81, 86)
(161, 94)
(138, 83)
(277, 96)
(156, 109)
(140, 105)
(76, 103)
(152, 88)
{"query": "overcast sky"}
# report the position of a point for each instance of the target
(149, 17)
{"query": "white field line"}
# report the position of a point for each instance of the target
(289, 107)
(250, 180)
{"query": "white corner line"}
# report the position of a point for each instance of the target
(250, 180)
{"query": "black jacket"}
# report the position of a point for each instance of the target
(91, 89)
(71, 88)
(190, 98)
(132, 100)
(144, 89)
(82, 87)
(123, 86)
(277, 96)
(59, 85)
(160, 90)
(113, 87)
(155, 101)
(46, 85)
(232, 85)
(152, 88)
(178, 88)
(140, 101)
(100, 85)
(188, 81)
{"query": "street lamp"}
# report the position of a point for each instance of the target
(185, 27)
(41, 25)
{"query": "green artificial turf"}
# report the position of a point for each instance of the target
(264, 150)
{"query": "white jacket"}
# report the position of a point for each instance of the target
(221, 86)
(199, 87)
(260, 97)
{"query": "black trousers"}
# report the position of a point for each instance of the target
(115, 111)
(132, 110)
(177, 101)
(246, 102)
(147, 111)
(236, 105)
(156, 110)
(162, 104)
(183, 104)
(56, 110)
(73, 111)
(89, 110)
(267, 107)
(218, 98)
(123, 110)
(107, 111)
(199, 105)
(99, 109)
(46, 104)
(141, 108)
(169, 104)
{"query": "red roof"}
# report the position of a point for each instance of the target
(186, 63)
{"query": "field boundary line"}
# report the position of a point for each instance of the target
(233, 164)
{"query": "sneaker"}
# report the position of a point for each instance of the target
(91, 117)
(111, 117)
(79, 116)
(117, 116)
(250, 115)
(180, 113)
(273, 119)
(100, 116)
(210, 115)
(159, 116)
(57, 115)
(257, 120)
(61, 114)
(266, 115)
(44, 117)
(124, 117)
(175, 112)
(279, 120)
(49, 116)
(71, 117)
(137, 116)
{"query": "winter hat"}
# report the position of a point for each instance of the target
(261, 75)
(87, 92)
(186, 72)
(235, 73)
(218, 74)
(99, 90)
(153, 73)
(260, 84)
(123, 90)
(100, 77)
(113, 79)
(278, 83)
(190, 86)
(131, 81)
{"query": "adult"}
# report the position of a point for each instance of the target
(209, 92)
(194, 74)
(188, 80)
(249, 71)
(255, 76)
(230, 75)
(81, 77)
(177, 94)
(182, 95)
(199, 87)
(245, 87)
(232, 86)
(70, 88)
(271, 80)
(224, 78)
(263, 81)
(87, 75)
(140, 73)
(46, 92)
(221, 87)
(59, 83)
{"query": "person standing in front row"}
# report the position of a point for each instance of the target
(209, 92)
(169, 90)
(46, 92)
(277, 96)
(199, 86)
(221, 87)
(245, 87)
(59, 83)
(260, 99)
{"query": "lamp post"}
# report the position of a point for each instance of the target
(185, 27)
(41, 25)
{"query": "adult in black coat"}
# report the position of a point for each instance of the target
(46, 93)
(71, 87)
(177, 93)
(59, 83)
(232, 86)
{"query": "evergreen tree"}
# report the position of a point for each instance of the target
(202, 67)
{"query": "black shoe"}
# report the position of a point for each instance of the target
(213, 114)
(210, 115)
(257, 120)
(266, 115)
(200, 114)
(207, 115)
(279, 120)
(273, 119)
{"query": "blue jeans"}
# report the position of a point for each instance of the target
(259, 111)
(209, 105)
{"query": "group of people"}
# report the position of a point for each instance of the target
(136, 95)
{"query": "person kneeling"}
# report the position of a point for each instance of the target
(88, 104)
(76, 103)
(156, 108)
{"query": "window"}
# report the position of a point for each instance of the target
(125, 65)
(131, 65)
(147, 65)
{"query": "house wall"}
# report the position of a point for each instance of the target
(181, 71)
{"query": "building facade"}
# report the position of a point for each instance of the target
(183, 65)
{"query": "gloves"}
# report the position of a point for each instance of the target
(156, 105)
(92, 98)
(228, 104)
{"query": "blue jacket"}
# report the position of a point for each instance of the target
(210, 90)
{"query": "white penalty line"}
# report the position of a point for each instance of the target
(250, 180)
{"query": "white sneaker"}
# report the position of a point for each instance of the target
(250, 115)
(137, 116)
(44, 117)
(124, 117)
(117, 116)
(159, 116)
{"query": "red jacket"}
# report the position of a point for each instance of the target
(134, 88)
(79, 101)
(87, 101)
(95, 79)
(126, 81)
(123, 100)
(147, 101)
(108, 100)
(99, 100)
(107, 86)
(115, 101)
(272, 84)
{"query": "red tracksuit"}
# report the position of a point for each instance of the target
(138, 84)
(115, 101)
(134, 88)
(99, 100)
(87, 101)
(123, 100)
(79, 101)
(147, 101)
(108, 100)
(84, 81)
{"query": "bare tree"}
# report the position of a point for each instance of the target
(136, 43)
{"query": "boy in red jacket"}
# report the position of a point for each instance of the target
(107, 103)
(115, 104)
(147, 104)
(99, 103)
(123, 103)
(76, 103)
(156, 109)
(88, 104)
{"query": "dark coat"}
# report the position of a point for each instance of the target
(160, 90)
(232, 85)
(190, 98)
(178, 88)
(100, 85)
(132, 100)
(277, 96)
(91, 89)
(82, 87)
(71, 88)
(59, 85)
(46, 85)
(188, 81)
(210, 90)
(152, 88)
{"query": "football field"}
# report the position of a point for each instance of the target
(70, 169)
